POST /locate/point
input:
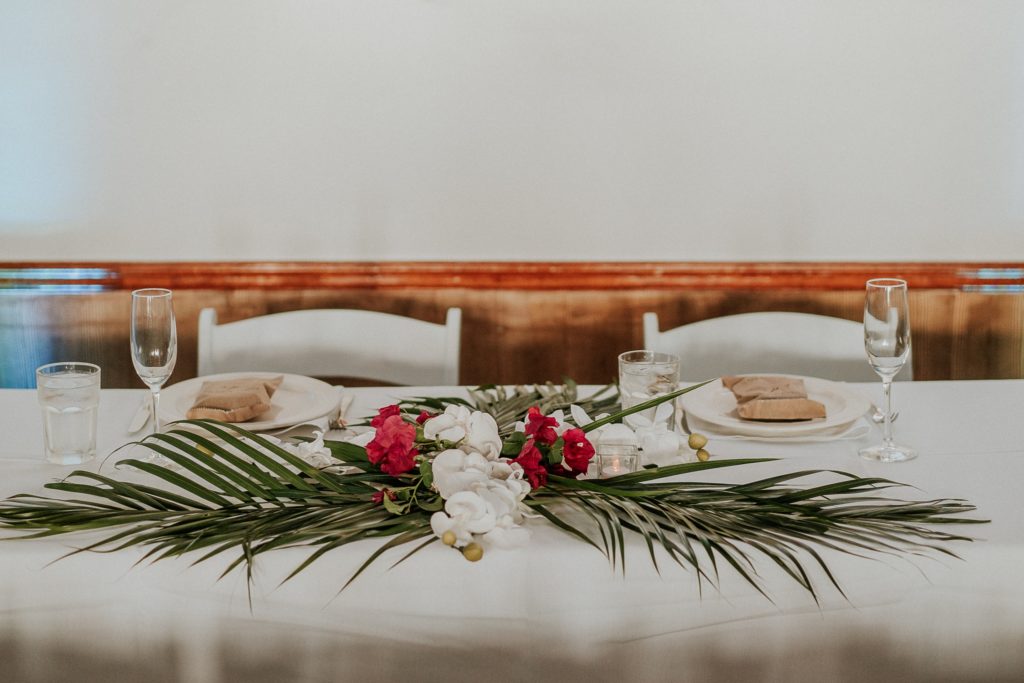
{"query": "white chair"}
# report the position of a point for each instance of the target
(334, 343)
(767, 342)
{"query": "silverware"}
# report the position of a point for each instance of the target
(333, 420)
(142, 415)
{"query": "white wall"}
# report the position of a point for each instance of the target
(512, 129)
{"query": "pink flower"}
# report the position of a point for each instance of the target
(383, 414)
(392, 446)
(577, 450)
(530, 460)
(423, 417)
(541, 428)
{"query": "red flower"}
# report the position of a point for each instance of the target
(539, 427)
(577, 451)
(530, 460)
(383, 414)
(423, 417)
(378, 497)
(392, 446)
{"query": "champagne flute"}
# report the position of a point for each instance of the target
(154, 341)
(887, 343)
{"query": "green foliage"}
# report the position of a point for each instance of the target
(229, 490)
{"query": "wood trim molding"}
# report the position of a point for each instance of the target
(73, 277)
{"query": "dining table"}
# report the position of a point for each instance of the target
(554, 609)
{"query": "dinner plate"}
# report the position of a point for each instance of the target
(714, 408)
(298, 399)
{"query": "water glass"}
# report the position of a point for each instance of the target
(69, 395)
(644, 375)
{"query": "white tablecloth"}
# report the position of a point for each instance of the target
(555, 609)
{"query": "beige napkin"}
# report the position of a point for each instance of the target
(768, 398)
(234, 400)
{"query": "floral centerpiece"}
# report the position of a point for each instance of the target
(473, 475)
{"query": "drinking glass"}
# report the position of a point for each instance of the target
(644, 375)
(887, 343)
(154, 341)
(69, 395)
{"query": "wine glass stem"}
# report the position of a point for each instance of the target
(887, 424)
(155, 393)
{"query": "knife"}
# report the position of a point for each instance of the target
(141, 416)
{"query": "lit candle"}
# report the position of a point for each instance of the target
(613, 468)
(617, 459)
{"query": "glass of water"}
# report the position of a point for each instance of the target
(69, 395)
(644, 375)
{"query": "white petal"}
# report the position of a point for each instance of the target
(465, 505)
(453, 434)
(579, 415)
(482, 435)
(618, 434)
(436, 425)
(500, 469)
(440, 523)
(660, 447)
(477, 462)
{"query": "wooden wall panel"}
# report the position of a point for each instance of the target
(512, 334)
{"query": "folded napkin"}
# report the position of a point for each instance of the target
(772, 399)
(234, 400)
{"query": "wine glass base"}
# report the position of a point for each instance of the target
(883, 453)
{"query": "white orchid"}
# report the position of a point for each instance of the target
(482, 436)
(314, 452)
(661, 416)
(455, 470)
(659, 446)
(501, 501)
(490, 512)
(510, 475)
(472, 431)
(451, 425)
(617, 434)
(465, 514)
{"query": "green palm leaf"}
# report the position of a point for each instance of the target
(231, 490)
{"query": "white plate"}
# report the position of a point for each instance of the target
(714, 406)
(299, 399)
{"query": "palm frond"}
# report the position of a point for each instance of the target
(231, 490)
(780, 522)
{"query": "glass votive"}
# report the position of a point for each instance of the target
(644, 375)
(69, 395)
(614, 459)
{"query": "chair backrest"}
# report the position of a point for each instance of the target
(334, 343)
(767, 342)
